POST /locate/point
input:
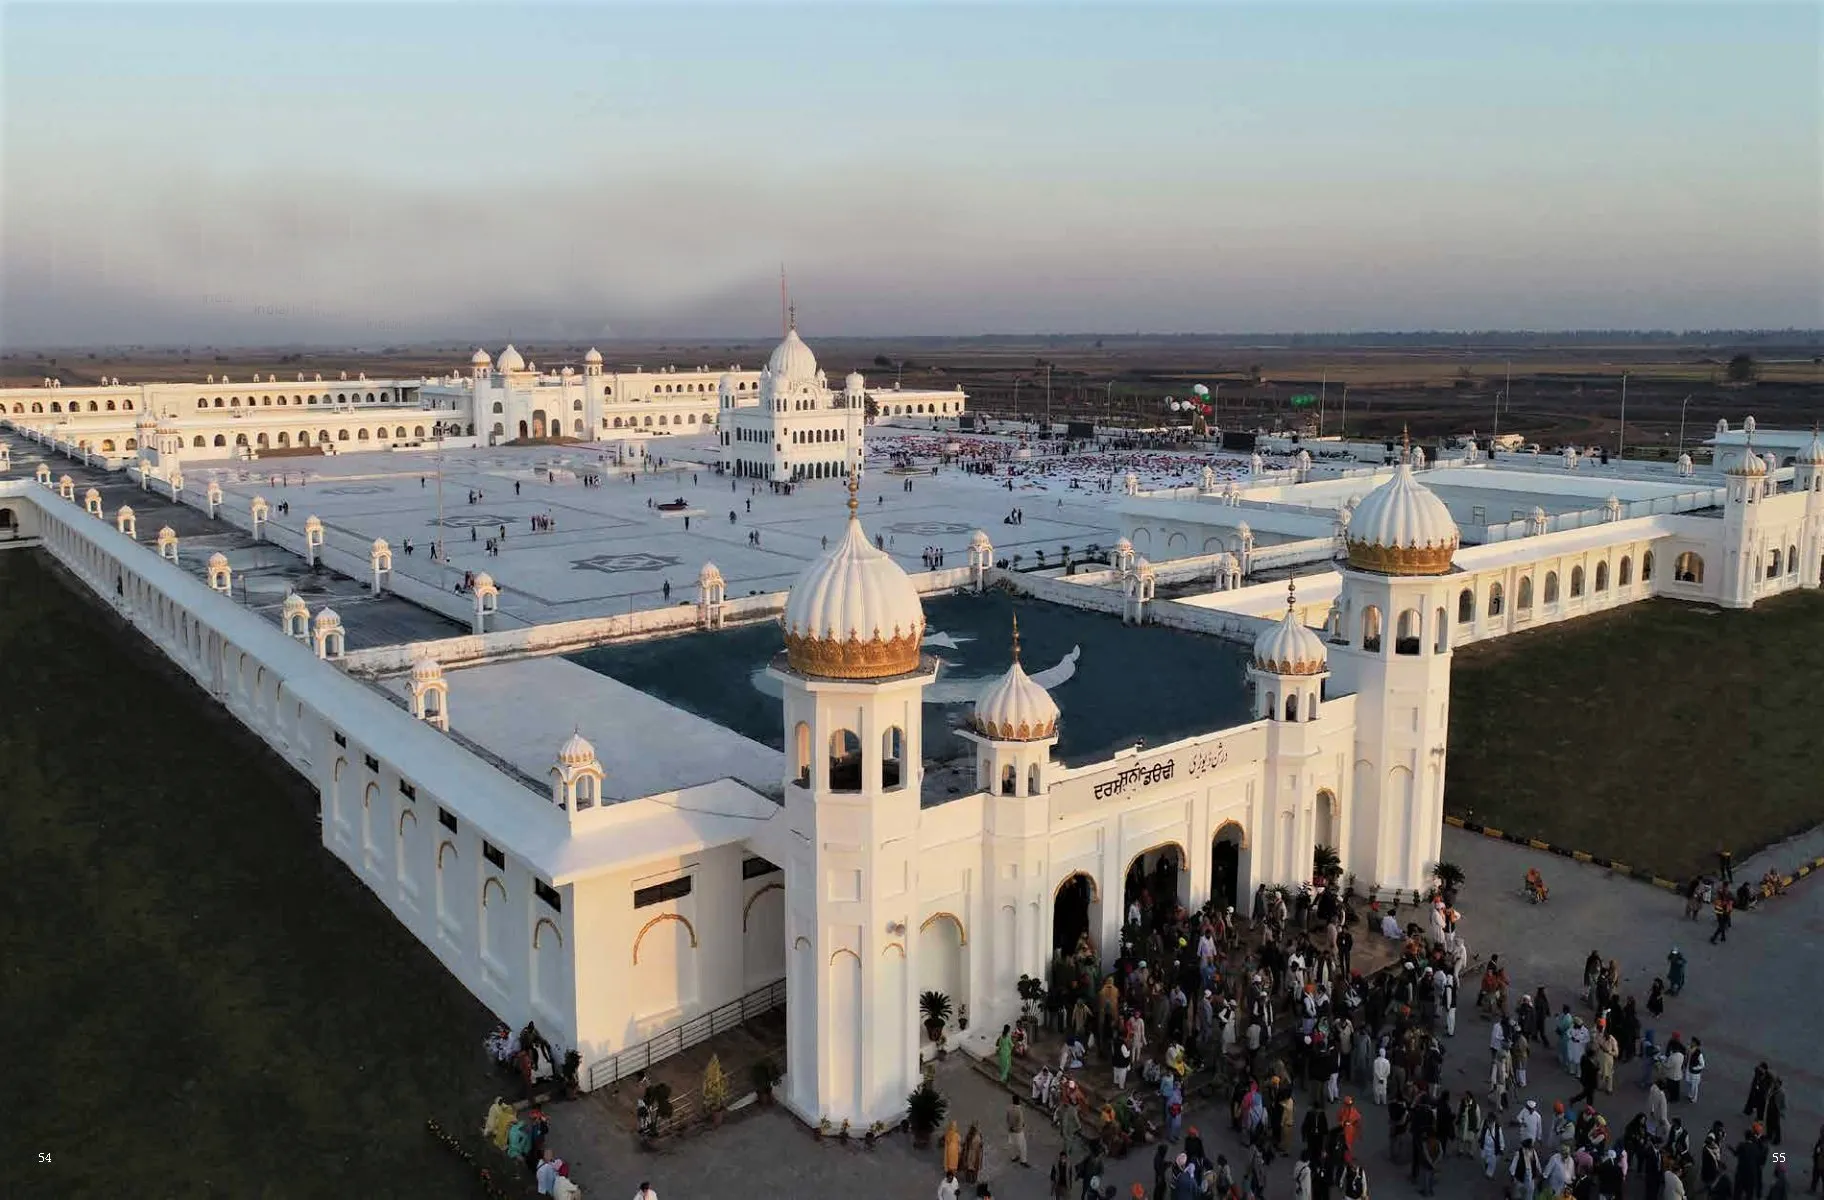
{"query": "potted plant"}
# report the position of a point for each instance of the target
(573, 1064)
(823, 1128)
(874, 1134)
(935, 1008)
(654, 1109)
(765, 1074)
(925, 1109)
(715, 1090)
(1450, 878)
(1326, 863)
(1032, 992)
(843, 1133)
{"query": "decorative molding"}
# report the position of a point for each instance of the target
(641, 935)
(801, 941)
(1402, 560)
(1336, 806)
(962, 933)
(880, 657)
(845, 950)
(1095, 888)
(495, 881)
(775, 886)
(1184, 859)
(451, 847)
(403, 814)
(543, 922)
(887, 947)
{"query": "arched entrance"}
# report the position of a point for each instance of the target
(541, 427)
(1155, 881)
(942, 960)
(1076, 914)
(524, 432)
(1329, 820)
(1228, 862)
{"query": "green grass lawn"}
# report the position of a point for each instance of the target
(1654, 734)
(201, 1001)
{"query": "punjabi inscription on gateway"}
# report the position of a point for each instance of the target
(1136, 778)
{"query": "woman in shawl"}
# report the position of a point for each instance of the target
(972, 1154)
(953, 1148)
(1003, 1052)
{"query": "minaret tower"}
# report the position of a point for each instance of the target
(854, 680)
(1743, 505)
(1288, 672)
(1808, 477)
(1392, 649)
(1014, 727)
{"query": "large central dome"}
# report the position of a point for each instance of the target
(853, 614)
(1401, 528)
(792, 362)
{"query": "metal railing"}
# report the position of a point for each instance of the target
(682, 1037)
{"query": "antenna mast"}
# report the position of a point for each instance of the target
(785, 316)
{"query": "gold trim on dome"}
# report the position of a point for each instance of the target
(1007, 731)
(1316, 667)
(877, 658)
(1403, 560)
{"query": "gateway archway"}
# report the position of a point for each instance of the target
(1076, 915)
(1155, 880)
(1229, 865)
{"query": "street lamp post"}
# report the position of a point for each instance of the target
(1681, 424)
(1621, 437)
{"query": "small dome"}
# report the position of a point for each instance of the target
(1813, 454)
(853, 613)
(1684, 460)
(482, 582)
(709, 575)
(1013, 708)
(792, 362)
(380, 546)
(576, 752)
(594, 357)
(426, 670)
(167, 534)
(510, 359)
(1289, 647)
(327, 618)
(1402, 528)
(1123, 546)
(1538, 513)
(1749, 463)
(479, 359)
(854, 382)
(294, 603)
(979, 541)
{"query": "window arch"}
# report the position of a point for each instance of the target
(221, 439)
(1466, 606)
(1442, 632)
(1576, 581)
(1625, 575)
(1551, 587)
(1371, 628)
(1773, 565)
(341, 435)
(845, 761)
(1410, 631)
(1689, 568)
(1291, 706)
(1792, 560)
(1646, 567)
(1010, 780)
(1524, 603)
(1494, 599)
(1602, 576)
(1032, 780)
(892, 757)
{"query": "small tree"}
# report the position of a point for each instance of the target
(1742, 369)
(715, 1086)
(925, 1109)
(1326, 863)
(1032, 991)
(935, 1008)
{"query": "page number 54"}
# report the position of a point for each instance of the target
(44, 1156)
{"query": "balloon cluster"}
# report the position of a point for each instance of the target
(490, 1188)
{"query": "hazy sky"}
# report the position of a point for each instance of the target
(264, 173)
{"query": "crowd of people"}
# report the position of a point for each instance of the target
(522, 1132)
(1074, 465)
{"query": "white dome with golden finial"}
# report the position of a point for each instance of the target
(1402, 528)
(1013, 708)
(576, 751)
(853, 613)
(1289, 647)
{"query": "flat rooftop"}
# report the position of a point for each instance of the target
(611, 551)
(1115, 684)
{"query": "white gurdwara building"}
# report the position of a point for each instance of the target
(666, 867)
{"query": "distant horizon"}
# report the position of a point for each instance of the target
(251, 174)
(1798, 336)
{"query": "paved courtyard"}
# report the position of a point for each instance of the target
(1753, 999)
(612, 550)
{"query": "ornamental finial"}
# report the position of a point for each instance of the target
(854, 491)
(1291, 595)
(1405, 443)
(1016, 637)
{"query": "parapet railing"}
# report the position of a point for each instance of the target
(682, 1037)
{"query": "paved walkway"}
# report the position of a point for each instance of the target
(1751, 999)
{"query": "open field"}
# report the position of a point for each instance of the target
(203, 1001)
(1653, 735)
(1436, 384)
